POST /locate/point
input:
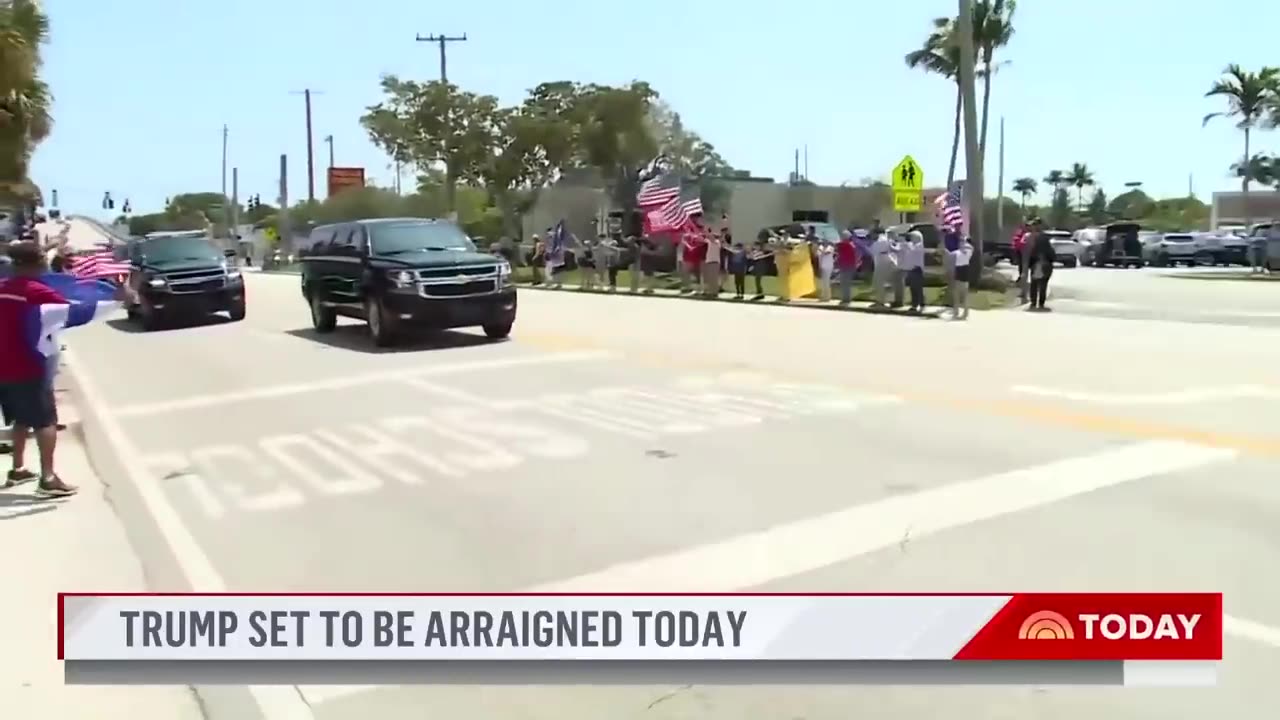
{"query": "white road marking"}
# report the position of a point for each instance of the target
(1189, 396)
(758, 558)
(755, 559)
(277, 391)
(275, 702)
(1216, 312)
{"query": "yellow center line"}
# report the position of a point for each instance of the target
(1021, 409)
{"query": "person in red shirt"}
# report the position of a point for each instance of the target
(846, 265)
(26, 385)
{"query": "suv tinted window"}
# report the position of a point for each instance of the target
(320, 240)
(408, 236)
(180, 248)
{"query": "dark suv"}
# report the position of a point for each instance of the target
(396, 273)
(181, 274)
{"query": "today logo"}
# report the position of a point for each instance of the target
(1048, 625)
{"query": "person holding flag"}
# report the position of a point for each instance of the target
(35, 306)
(557, 242)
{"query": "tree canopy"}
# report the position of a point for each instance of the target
(25, 100)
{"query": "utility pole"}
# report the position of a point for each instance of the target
(224, 163)
(973, 161)
(234, 215)
(311, 167)
(329, 139)
(284, 231)
(443, 41)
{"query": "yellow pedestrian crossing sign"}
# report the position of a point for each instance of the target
(908, 186)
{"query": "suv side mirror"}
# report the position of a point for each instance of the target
(230, 253)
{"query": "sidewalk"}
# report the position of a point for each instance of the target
(66, 545)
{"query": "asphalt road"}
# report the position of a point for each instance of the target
(1189, 295)
(623, 443)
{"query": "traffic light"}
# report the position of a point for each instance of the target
(126, 209)
(107, 202)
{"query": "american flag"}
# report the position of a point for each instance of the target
(677, 213)
(951, 207)
(97, 266)
(658, 191)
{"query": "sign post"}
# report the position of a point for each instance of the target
(908, 186)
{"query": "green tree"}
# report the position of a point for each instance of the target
(1060, 214)
(1055, 179)
(1261, 168)
(1097, 210)
(940, 55)
(1248, 95)
(1026, 187)
(691, 156)
(25, 100)
(1131, 205)
(615, 137)
(1081, 177)
(434, 122)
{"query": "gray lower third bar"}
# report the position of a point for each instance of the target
(569, 672)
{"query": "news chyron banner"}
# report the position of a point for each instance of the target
(1022, 639)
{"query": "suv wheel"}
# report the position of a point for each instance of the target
(150, 318)
(498, 330)
(380, 324)
(237, 311)
(323, 319)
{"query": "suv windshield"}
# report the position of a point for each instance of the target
(402, 237)
(166, 249)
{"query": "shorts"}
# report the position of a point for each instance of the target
(28, 404)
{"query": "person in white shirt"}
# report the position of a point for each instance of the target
(884, 256)
(911, 265)
(960, 258)
(711, 266)
(826, 268)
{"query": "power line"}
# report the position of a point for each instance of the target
(443, 41)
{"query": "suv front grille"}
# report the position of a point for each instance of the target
(474, 287)
(196, 281)
(455, 272)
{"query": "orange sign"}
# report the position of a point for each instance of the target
(345, 178)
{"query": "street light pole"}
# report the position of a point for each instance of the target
(443, 41)
(973, 188)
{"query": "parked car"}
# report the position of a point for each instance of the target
(1261, 236)
(1069, 250)
(1172, 249)
(1120, 247)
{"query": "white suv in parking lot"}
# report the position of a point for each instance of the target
(1065, 245)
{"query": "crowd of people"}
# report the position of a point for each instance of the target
(804, 261)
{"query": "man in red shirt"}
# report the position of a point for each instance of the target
(846, 265)
(26, 383)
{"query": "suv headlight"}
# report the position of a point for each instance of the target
(401, 278)
(233, 275)
(156, 282)
(504, 273)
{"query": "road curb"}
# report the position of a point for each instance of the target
(804, 305)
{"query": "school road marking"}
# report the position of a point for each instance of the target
(277, 391)
(1189, 396)
(275, 702)
(754, 559)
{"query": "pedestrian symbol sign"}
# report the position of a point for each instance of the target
(908, 186)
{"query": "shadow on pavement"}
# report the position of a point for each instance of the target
(1236, 275)
(356, 337)
(130, 326)
(15, 504)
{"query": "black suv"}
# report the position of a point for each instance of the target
(399, 272)
(181, 274)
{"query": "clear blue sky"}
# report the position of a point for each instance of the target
(143, 87)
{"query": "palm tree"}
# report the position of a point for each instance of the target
(24, 99)
(1262, 169)
(992, 30)
(1026, 187)
(1081, 177)
(1055, 179)
(1249, 96)
(940, 55)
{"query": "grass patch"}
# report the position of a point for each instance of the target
(978, 299)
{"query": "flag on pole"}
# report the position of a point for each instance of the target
(951, 215)
(100, 265)
(677, 214)
(656, 192)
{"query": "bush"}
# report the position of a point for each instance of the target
(991, 280)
